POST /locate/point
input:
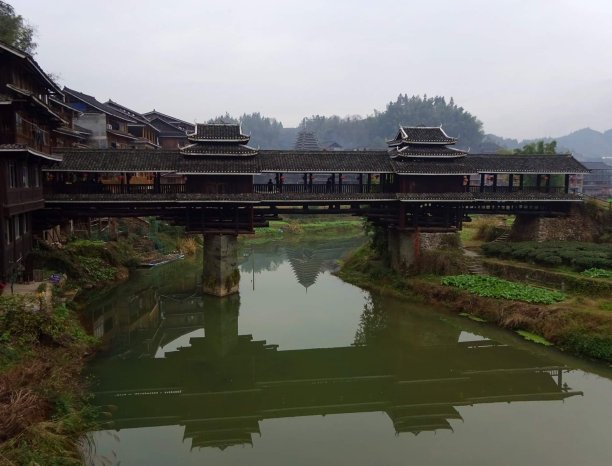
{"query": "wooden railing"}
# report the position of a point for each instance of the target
(91, 187)
(517, 189)
(347, 188)
(100, 188)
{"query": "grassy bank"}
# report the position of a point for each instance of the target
(311, 227)
(44, 411)
(582, 330)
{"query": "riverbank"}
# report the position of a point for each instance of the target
(44, 410)
(314, 227)
(581, 330)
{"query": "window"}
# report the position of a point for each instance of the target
(12, 175)
(7, 231)
(16, 227)
(25, 176)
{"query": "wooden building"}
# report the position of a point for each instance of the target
(172, 131)
(108, 126)
(27, 122)
(147, 135)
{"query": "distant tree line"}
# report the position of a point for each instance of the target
(371, 132)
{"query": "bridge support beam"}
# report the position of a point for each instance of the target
(220, 274)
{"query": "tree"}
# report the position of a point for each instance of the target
(538, 147)
(15, 31)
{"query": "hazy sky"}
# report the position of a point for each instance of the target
(525, 68)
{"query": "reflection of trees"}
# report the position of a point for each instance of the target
(261, 258)
(388, 321)
(372, 323)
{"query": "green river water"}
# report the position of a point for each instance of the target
(304, 369)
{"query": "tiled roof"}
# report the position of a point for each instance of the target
(32, 64)
(423, 134)
(312, 162)
(325, 162)
(118, 161)
(306, 141)
(215, 148)
(152, 160)
(29, 150)
(177, 122)
(421, 150)
(218, 132)
(92, 102)
(128, 112)
(167, 130)
(455, 166)
(495, 163)
(41, 104)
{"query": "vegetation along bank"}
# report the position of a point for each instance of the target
(567, 304)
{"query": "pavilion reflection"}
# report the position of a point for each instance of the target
(224, 384)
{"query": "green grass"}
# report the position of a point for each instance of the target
(472, 317)
(534, 338)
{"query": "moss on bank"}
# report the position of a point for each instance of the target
(582, 331)
(44, 411)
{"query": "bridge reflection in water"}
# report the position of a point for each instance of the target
(224, 384)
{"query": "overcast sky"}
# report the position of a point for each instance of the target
(524, 68)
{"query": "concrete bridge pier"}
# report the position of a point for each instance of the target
(403, 247)
(220, 273)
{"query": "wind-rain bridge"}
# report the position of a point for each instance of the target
(221, 187)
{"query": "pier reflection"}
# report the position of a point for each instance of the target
(221, 386)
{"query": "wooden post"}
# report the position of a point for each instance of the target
(495, 182)
(521, 181)
(566, 183)
(548, 177)
(369, 182)
(538, 181)
(361, 182)
(510, 182)
(482, 182)
(339, 182)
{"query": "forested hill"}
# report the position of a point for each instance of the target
(586, 144)
(370, 132)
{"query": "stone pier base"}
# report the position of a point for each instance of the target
(220, 275)
(405, 247)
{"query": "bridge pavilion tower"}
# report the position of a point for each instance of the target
(425, 167)
(224, 154)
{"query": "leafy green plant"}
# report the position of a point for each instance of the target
(597, 273)
(492, 287)
(573, 254)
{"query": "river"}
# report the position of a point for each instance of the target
(302, 369)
